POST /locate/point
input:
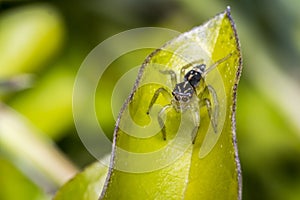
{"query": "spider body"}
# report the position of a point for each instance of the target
(184, 95)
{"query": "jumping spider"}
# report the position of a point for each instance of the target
(184, 95)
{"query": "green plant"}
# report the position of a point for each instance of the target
(207, 169)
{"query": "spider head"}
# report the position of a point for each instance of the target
(182, 93)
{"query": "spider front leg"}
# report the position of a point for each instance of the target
(213, 113)
(162, 111)
(159, 91)
(196, 118)
(161, 121)
(172, 74)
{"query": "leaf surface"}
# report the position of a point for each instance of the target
(86, 185)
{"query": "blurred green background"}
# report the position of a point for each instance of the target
(42, 45)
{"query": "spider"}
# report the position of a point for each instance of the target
(184, 95)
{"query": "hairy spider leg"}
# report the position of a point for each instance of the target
(196, 118)
(159, 91)
(162, 111)
(165, 93)
(161, 121)
(205, 100)
(209, 69)
(172, 74)
(215, 112)
(195, 115)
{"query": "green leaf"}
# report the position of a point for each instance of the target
(145, 166)
(86, 185)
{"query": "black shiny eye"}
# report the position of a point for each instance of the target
(175, 96)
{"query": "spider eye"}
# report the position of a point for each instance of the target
(175, 96)
(184, 99)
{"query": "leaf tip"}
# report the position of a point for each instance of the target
(228, 9)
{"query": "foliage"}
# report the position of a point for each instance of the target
(43, 45)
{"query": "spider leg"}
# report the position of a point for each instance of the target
(196, 118)
(161, 121)
(213, 111)
(172, 74)
(155, 96)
